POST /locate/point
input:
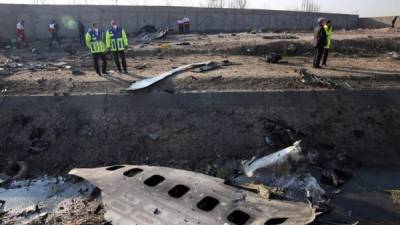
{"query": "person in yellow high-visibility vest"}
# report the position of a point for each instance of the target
(94, 40)
(328, 30)
(117, 42)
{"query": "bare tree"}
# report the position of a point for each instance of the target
(310, 6)
(238, 4)
(216, 3)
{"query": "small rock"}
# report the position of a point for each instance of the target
(43, 216)
(39, 145)
(184, 43)
(98, 209)
(2, 204)
(153, 136)
(77, 72)
(169, 90)
(86, 132)
(42, 81)
(141, 66)
(273, 57)
(157, 211)
(217, 78)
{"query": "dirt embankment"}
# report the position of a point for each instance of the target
(55, 134)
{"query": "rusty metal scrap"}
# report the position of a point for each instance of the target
(155, 195)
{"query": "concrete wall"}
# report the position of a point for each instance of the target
(133, 18)
(378, 22)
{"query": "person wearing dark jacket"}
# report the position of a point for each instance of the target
(319, 43)
(82, 33)
(53, 30)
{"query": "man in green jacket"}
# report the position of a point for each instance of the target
(117, 42)
(94, 40)
(328, 30)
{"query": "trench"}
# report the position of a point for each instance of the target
(53, 134)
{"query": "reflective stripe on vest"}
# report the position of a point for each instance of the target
(96, 44)
(116, 41)
(94, 47)
(328, 32)
(117, 45)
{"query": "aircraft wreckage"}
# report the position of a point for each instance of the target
(147, 195)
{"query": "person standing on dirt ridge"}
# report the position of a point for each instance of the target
(20, 33)
(117, 42)
(180, 26)
(186, 24)
(328, 30)
(94, 40)
(81, 33)
(319, 43)
(53, 30)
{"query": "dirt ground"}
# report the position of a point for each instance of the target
(33, 73)
(360, 61)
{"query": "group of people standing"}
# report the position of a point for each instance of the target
(53, 29)
(115, 40)
(322, 42)
(184, 25)
(99, 43)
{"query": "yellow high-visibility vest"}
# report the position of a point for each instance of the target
(94, 41)
(328, 31)
(116, 39)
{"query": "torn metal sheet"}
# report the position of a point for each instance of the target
(279, 169)
(147, 82)
(275, 159)
(156, 195)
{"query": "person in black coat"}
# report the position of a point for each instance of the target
(81, 33)
(319, 43)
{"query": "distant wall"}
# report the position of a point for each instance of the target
(133, 18)
(378, 22)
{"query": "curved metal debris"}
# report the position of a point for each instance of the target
(147, 82)
(146, 195)
(161, 33)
